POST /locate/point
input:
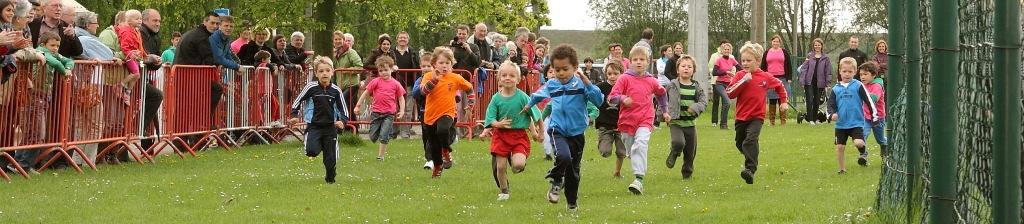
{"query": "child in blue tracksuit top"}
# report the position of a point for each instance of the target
(569, 92)
(846, 107)
(323, 110)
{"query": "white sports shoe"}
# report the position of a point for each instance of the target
(429, 165)
(503, 197)
(636, 187)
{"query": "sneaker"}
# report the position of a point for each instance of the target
(436, 173)
(862, 160)
(672, 157)
(713, 124)
(429, 165)
(447, 159)
(687, 175)
(723, 127)
(380, 158)
(841, 172)
(553, 193)
(636, 187)
(126, 95)
(811, 123)
(747, 176)
(571, 207)
(503, 197)
(330, 181)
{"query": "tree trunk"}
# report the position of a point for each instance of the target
(324, 13)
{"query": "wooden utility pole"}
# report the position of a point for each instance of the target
(697, 40)
(758, 27)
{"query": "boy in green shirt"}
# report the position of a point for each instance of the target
(692, 101)
(509, 126)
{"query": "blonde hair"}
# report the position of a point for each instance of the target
(639, 51)
(509, 64)
(322, 60)
(848, 61)
(753, 48)
(443, 52)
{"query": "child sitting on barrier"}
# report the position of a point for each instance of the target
(388, 95)
(324, 113)
(131, 45)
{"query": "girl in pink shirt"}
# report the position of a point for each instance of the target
(634, 91)
(388, 103)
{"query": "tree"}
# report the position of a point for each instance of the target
(789, 19)
(728, 20)
(624, 20)
(430, 23)
(871, 14)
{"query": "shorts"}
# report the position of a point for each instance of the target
(380, 127)
(843, 134)
(505, 142)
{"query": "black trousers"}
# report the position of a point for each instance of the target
(747, 134)
(813, 100)
(568, 154)
(684, 140)
(439, 136)
(153, 98)
(324, 139)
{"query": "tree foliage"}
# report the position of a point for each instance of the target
(728, 20)
(429, 22)
(624, 20)
(871, 14)
(799, 23)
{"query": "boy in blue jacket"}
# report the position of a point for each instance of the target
(570, 92)
(323, 110)
(846, 108)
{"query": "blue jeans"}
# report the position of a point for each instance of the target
(720, 98)
(879, 129)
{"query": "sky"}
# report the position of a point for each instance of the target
(570, 15)
(575, 15)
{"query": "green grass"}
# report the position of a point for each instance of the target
(796, 183)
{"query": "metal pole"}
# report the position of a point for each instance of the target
(697, 38)
(943, 98)
(897, 67)
(913, 105)
(1006, 196)
(759, 25)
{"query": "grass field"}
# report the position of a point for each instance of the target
(796, 183)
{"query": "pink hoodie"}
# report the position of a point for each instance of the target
(875, 89)
(642, 89)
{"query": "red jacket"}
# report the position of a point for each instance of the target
(130, 40)
(750, 94)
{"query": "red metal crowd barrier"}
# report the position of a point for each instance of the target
(36, 109)
(190, 107)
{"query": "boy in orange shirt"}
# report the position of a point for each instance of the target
(440, 87)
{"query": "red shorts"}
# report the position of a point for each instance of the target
(505, 142)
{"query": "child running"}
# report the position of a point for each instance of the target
(750, 88)
(692, 101)
(846, 107)
(386, 93)
(569, 92)
(510, 143)
(440, 87)
(869, 76)
(425, 67)
(634, 93)
(607, 123)
(324, 113)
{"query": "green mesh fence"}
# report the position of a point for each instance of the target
(974, 197)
